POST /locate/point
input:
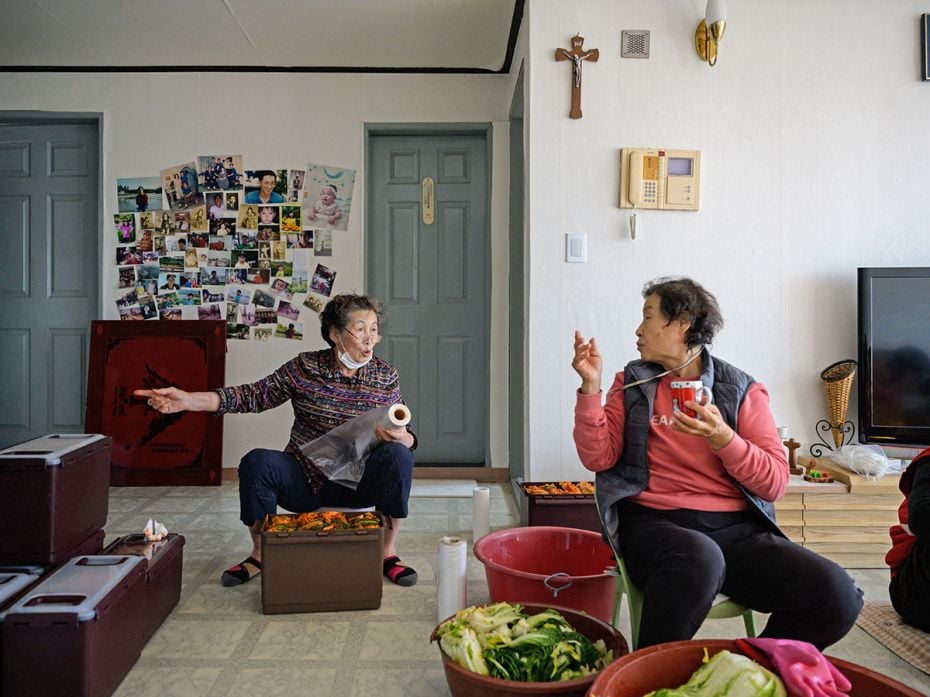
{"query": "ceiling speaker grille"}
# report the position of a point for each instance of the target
(634, 43)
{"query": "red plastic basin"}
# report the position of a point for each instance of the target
(549, 565)
(672, 664)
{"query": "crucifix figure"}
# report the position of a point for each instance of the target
(577, 55)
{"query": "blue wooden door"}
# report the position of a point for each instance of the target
(433, 279)
(49, 287)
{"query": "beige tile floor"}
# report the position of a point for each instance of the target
(218, 643)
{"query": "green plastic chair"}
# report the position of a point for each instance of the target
(721, 608)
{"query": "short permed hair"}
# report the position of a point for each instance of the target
(338, 312)
(684, 298)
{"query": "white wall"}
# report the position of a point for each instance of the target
(814, 143)
(151, 122)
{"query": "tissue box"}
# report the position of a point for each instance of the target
(163, 559)
(77, 632)
(55, 497)
(317, 571)
(560, 510)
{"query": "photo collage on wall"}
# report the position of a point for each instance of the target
(208, 239)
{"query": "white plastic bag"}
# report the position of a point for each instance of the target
(869, 461)
(340, 454)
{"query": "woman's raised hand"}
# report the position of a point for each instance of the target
(167, 400)
(587, 363)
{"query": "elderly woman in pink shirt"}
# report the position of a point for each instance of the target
(687, 500)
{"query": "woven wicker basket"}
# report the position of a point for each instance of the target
(837, 384)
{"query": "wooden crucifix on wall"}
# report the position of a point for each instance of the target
(577, 55)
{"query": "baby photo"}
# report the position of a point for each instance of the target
(328, 197)
(280, 288)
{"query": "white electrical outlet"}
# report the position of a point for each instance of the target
(576, 247)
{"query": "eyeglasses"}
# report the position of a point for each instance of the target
(365, 336)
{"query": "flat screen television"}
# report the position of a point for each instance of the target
(894, 356)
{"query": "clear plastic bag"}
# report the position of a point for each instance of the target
(340, 454)
(869, 461)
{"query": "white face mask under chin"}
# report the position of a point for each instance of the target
(351, 363)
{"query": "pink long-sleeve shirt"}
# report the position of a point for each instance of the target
(683, 470)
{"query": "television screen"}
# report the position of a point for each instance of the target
(894, 356)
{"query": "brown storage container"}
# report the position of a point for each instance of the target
(55, 497)
(559, 510)
(164, 559)
(315, 571)
(77, 632)
(12, 586)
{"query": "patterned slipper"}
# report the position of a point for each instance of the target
(242, 572)
(398, 573)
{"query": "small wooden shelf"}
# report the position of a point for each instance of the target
(846, 520)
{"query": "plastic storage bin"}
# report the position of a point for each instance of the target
(163, 561)
(559, 510)
(55, 497)
(315, 571)
(77, 632)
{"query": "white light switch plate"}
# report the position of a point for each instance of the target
(576, 248)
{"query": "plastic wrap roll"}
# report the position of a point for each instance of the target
(482, 514)
(451, 576)
(397, 415)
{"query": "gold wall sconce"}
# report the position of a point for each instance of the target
(710, 31)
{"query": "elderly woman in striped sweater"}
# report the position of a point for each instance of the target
(326, 388)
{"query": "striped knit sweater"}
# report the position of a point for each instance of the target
(321, 396)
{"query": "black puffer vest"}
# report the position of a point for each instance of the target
(631, 473)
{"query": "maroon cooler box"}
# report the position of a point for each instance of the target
(55, 492)
(78, 632)
(162, 575)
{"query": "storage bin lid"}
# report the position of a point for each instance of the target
(77, 587)
(49, 448)
(11, 584)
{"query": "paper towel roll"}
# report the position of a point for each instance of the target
(451, 577)
(397, 415)
(481, 517)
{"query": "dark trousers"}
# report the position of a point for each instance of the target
(271, 478)
(681, 559)
(910, 588)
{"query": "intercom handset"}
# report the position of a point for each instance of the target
(660, 179)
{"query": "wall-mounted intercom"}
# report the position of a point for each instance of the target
(660, 179)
